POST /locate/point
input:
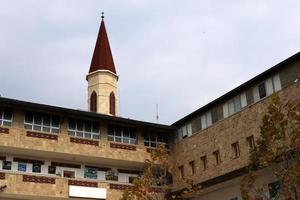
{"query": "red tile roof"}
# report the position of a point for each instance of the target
(102, 57)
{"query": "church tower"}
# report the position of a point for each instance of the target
(102, 77)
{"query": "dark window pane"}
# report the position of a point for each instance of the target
(8, 114)
(262, 90)
(96, 136)
(1, 112)
(29, 117)
(46, 129)
(6, 165)
(72, 133)
(7, 123)
(118, 139)
(132, 135)
(36, 168)
(37, 128)
(90, 173)
(55, 121)
(79, 134)
(22, 167)
(111, 130)
(51, 169)
(96, 127)
(55, 130)
(118, 131)
(72, 124)
(37, 119)
(79, 125)
(88, 127)
(153, 138)
(126, 132)
(88, 135)
(126, 140)
(147, 144)
(46, 120)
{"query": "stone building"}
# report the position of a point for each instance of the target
(50, 152)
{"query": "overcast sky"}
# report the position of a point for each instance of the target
(179, 54)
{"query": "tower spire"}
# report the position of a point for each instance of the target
(102, 57)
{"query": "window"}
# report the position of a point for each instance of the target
(206, 120)
(93, 102)
(181, 171)
(6, 165)
(204, 162)
(234, 198)
(68, 174)
(217, 157)
(192, 166)
(90, 172)
(111, 175)
(51, 169)
(152, 140)
(112, 104)
(262, 90)
(6, 116)
(36, 167)
(250, 142)
(85, 129)
(132, 178)
(273, 189)
(41, 122)
(122, 134)
(22, 167)
(235, 149)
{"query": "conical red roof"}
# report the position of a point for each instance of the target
(102, 57)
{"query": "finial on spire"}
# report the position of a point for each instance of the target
(102, 15)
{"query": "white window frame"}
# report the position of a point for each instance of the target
(3, 121)
(42, 126)
(84, 133)
(122, 137)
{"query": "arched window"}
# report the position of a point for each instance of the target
(93, 102)
(112, 104)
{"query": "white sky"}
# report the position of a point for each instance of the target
(179, 54)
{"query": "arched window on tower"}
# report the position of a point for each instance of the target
(93, 102)
(112, 104)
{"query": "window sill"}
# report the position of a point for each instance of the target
(129, 147)
(84, 141)
(49, 136)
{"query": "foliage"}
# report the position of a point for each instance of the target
(278, 151)
(156, 173)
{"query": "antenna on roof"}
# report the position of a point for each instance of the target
(157, 115)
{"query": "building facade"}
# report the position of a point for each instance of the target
(49, 152)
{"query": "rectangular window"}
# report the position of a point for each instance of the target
(6, 165)
(132, 178)
(41, 122)
(262, 90)
(217, 157)
(184, 132)
(274, 189)
(181, 171)
(204, 162)
(111, 175)
(214, 115)
(68, 174)
(235, 149)
(36, 167)
(84, 129)
(250, 142)
(203, 122)
(234, 198)
(90, 172)
(122, 134)
(51, 169)
(6, 117)
(153, 139)
(22, 167)
(192, 166)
